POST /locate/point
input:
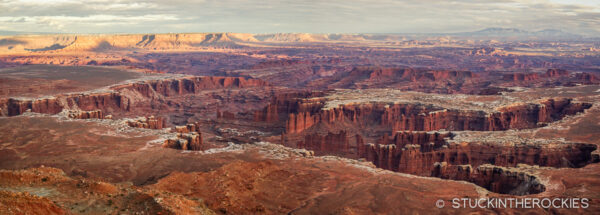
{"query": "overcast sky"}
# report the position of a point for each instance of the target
(311, 16)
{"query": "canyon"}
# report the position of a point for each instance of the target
(231, 123)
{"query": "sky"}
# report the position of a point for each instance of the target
(310, 16)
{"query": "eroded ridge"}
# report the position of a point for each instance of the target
(123, 97)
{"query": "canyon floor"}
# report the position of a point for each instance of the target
(230, 123)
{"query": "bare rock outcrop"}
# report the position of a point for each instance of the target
(150, 122)
(188, 137)
(95, 114)
(185, 141)
(191, 127)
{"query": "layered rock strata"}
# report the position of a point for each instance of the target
(421, 117)
(329, 143)
(418, 159)
(185, 141)
(95, 114)
(494, 178)
(123, 97)
(148, 122)
(188, 137)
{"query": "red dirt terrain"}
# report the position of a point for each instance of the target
(229, 123)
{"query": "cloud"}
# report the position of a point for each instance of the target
(314, 16)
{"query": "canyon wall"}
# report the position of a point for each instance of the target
(520, 77)
(117, 101)
(556, 73)
(417, 117)
(404, 78)
(493, 178)
(281, 105)
(327, 144)
(421, 134)
(447, 81)
(418, 159)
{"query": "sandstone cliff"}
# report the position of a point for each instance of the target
(493, 178)
(188, 137)
(148, 122)
(418, 117)
(123, 96)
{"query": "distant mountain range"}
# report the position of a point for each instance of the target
(519, 34)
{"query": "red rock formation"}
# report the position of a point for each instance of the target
(292, 62)
(587, 78)
(336, 143)
(494, 178)
(186, 141)
(225, 115)
(501, 180)
(191, 127)
(419, 159)
(104, 101)
(269, 114)
(367, 77)
(403, 138)
(97, 114)
(189, 137)
(298, 122)
(553, 109)
(170, 87)
(194, 141)
(116, 101)
(148, 122)
(413, 75)
(416, 117)
(87, 102)
(360, 146)
(284, 104)
(444, 81)
(528, 115)
(16, 107)
(521, 77)
(556, 73)
(383, 156)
